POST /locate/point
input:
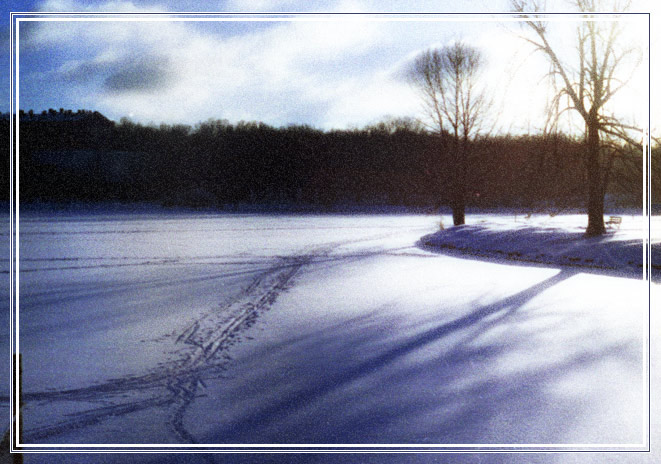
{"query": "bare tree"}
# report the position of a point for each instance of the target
(590, 84)
(447, 81)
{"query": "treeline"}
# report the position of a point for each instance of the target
(219, 164)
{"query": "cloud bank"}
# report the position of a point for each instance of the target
(329, 72)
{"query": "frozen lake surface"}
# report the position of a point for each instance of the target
(256, 329)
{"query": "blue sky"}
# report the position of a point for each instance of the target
(331, 72)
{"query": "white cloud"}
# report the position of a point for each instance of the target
(327, 73)
(264, 75)
(359, 102)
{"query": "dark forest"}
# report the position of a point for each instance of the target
(84, 157)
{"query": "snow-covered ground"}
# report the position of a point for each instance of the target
(555, 240)
(375, 329)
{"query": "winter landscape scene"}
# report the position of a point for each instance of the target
(342, 236)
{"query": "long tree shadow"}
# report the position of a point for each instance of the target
(242, 429)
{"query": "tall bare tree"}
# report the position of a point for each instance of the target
(447, 80)
(590, 84)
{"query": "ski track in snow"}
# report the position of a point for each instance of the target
(175, 385)
(199, 352)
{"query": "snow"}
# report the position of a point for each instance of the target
(554, 241)
(334, 329)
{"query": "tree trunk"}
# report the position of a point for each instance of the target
(459, 185)
(458, 213)
(595, 191)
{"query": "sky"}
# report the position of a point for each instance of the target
(332, 72)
